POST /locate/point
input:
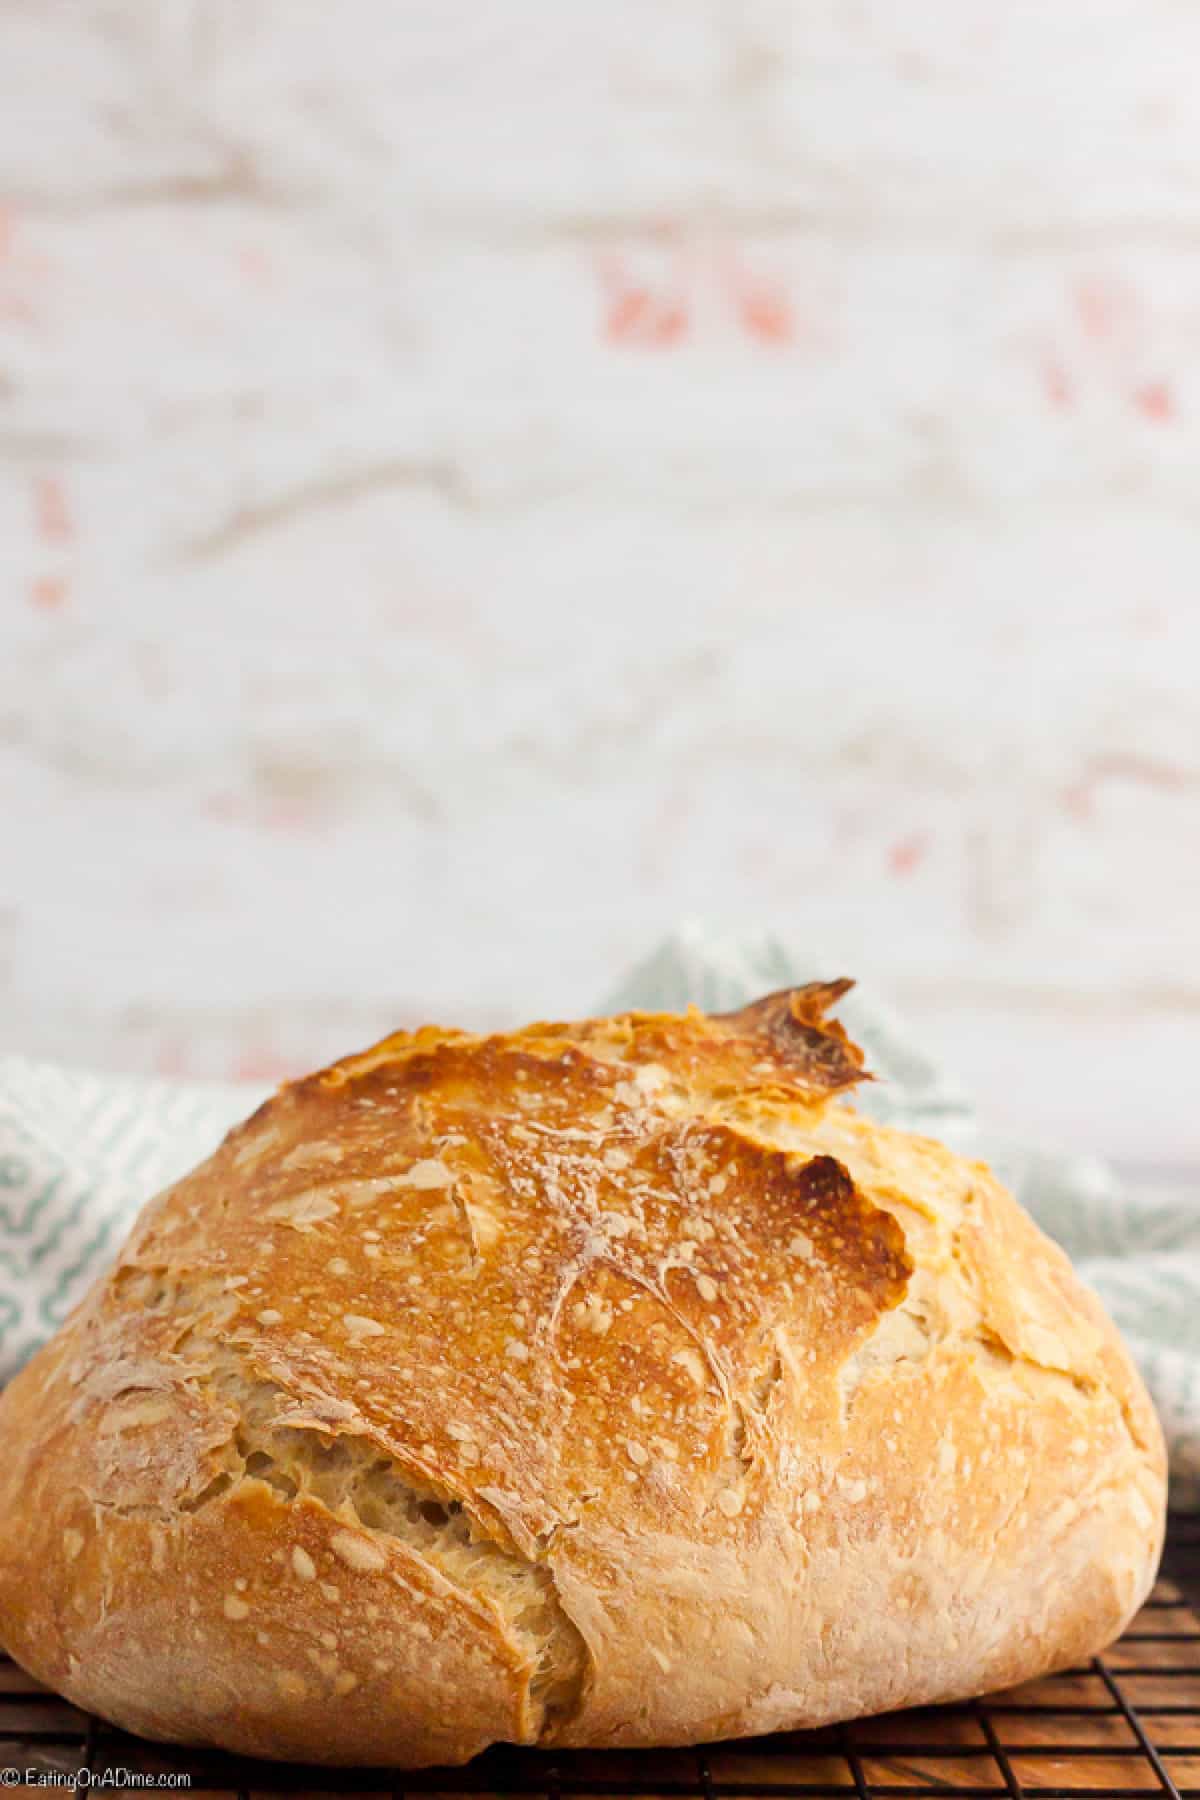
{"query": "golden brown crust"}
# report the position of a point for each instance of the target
(608, 1383)
(790, 1025)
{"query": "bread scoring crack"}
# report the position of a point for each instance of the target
(360, 1484)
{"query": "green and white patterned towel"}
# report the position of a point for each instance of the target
(80, 1153)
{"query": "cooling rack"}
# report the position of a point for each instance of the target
(1123, 1725)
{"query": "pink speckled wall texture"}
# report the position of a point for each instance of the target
(478, 484)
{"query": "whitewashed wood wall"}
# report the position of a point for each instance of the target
(479, 482)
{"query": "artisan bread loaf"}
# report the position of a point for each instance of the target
(612, 1383)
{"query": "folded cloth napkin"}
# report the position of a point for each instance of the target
(81, 1152)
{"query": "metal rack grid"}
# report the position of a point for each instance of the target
(1126, 1724)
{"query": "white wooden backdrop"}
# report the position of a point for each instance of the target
(479, 482)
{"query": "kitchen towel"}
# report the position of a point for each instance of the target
(80, 1152)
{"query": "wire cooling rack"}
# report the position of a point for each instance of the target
(1126, 1724)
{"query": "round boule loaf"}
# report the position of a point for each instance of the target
(603, 1384)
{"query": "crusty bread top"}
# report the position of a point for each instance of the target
(566, 1330)
(444, 1231)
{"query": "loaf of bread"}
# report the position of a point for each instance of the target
(601, 1384)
